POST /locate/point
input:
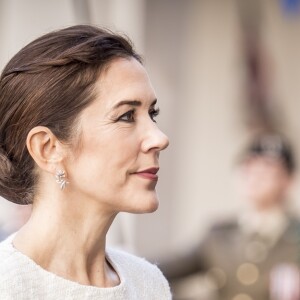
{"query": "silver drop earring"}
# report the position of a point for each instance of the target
(61, 179)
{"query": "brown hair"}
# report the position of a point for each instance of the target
(48, 83)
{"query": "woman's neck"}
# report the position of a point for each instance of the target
(69, 241)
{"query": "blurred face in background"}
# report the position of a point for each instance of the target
(263, 181)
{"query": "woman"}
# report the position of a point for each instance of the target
(78, 140)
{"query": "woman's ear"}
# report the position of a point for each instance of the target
(45, 148)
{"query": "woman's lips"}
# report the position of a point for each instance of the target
(148, 174)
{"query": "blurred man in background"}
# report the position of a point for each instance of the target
(257, 255)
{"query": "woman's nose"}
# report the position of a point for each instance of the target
(154, 139)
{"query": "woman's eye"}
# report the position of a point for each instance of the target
(127, 117)
(153, 114)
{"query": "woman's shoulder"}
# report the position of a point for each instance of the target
(12, 266)
(6, 252)
(139, 271)
(129, 259)
(10, 270)
(130, 262)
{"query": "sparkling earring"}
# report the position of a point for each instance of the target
(61, 179)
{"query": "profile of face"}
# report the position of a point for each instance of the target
(117, 160)
(263, 181)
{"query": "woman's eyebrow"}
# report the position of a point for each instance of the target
(128, 102)
(154, 102)
(132, 103)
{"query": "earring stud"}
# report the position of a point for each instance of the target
(61, 178)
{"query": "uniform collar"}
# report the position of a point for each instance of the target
(269, 224)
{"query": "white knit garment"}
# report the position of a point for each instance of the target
(22, 279)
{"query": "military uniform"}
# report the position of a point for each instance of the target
(246, 265)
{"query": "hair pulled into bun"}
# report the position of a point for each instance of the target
(12, 186)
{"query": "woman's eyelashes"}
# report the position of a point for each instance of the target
(130, 116)
(153, 113)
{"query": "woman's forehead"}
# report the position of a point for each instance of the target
(124, 80)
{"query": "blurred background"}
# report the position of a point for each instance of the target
(221, 70)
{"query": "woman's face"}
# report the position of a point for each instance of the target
(118, 157)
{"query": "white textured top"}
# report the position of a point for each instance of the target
(22, 279)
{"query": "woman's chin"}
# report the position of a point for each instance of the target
(146, 207)
(152, 208)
